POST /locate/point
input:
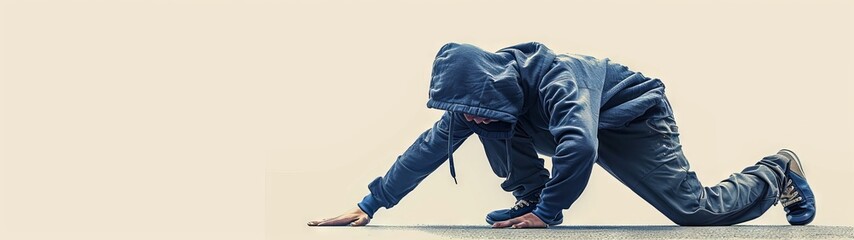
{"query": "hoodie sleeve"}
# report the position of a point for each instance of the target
(573, 121)
(423, 157)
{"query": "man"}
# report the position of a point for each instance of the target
(524, 100)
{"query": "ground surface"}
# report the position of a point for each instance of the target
(589, 232)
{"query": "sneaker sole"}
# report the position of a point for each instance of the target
(797, 160)
(490, 221)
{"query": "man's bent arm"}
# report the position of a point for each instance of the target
(573, 121)
(427, 153)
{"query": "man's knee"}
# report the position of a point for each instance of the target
(699, 218)
(687, 221)
(691, 219)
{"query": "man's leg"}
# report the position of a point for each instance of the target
(525, 177)
(647, 157)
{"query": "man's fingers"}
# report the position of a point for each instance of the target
(504, 224)
(339, 221)
(317, 222)
(520, 225)
(468, 117)
(360, 222)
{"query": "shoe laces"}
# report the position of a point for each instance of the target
(522, 203)
(790, 194)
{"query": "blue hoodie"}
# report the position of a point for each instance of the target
(561, 99)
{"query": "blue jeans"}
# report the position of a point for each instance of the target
(528, 176)
(646, 156)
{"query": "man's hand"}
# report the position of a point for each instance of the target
(529, 220)
(355, 217)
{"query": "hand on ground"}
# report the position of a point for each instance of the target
(529, 220)
(355, 217)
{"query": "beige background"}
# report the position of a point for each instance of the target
(245, 119)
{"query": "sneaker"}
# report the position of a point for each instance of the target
(522, 207)
(796, 197)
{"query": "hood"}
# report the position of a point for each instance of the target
(495, 85)
(467, 79)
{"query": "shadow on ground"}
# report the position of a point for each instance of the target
(633, 232)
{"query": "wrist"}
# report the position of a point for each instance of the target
(369, 205)
(547, 217)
